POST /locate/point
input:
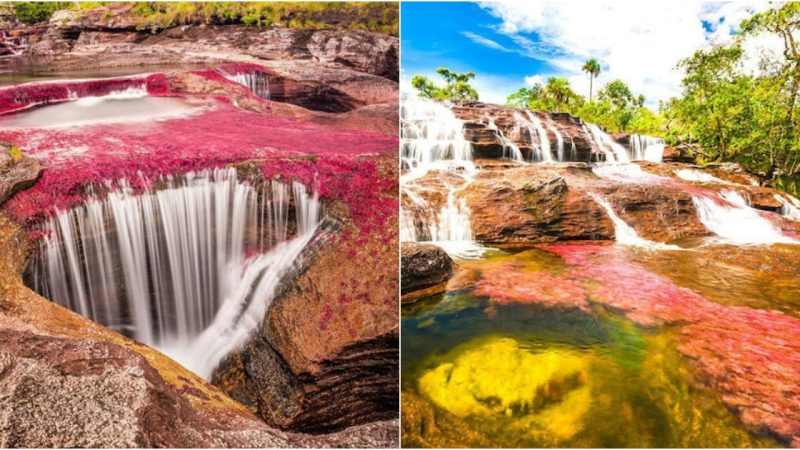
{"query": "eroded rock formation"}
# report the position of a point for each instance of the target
(323, 363)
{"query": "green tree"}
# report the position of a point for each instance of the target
(457, 86)
(559, 92)
(592, 67)
(34, 12)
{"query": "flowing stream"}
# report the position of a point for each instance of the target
(432, 141)
(256, 81)
(188, 268)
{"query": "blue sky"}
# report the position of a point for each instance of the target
(511, 44)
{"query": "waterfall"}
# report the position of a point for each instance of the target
(646, 148)
(790, 208)
(533, 126)
(510, 150)
(728, 215)
(129, 93)
(559, 142)
(256, 81)
(432, 139)
(170, 267)
(626, 173)
(624, 233)
(698, 177)
(613, 151)
(430, 132)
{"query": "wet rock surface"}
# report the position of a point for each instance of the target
(424, 266)
(69, 382)
(323, 365)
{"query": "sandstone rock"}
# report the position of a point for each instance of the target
(423, 266)
(326, 355)
(487, 143)
(16, 174)
(69, 382)
(529, 204)
(373, 53)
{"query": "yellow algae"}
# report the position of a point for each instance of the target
(545, 392)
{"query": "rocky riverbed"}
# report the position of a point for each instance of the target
(610, 292)
(320, 366)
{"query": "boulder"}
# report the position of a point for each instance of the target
(70, 382)
(17, 172)
(423, 266)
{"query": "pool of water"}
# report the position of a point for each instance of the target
(17, 72)
(128, 106)
(527, 349)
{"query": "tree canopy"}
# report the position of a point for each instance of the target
(457, 86)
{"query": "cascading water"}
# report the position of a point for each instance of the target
(728, 215)
(699, 177)
(646, 148)
(170, 267)
(129, 105)
(256, 81)
(510, 150)
(559, 141)
(531, 123)
(790, 208)
(613, 151)
(624, 233)
(432, 139)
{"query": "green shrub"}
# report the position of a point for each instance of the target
(34, 12)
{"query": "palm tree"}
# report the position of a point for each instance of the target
(559, 91)
(592, 67)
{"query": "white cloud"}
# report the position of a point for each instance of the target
(482, 40)
(533, 79)
(639, 42)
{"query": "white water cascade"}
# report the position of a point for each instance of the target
(646, 148)
(728, 215)
(510, 150)
(256, 81)
(559, 141)
(790, 208)
(531, 123)
(432, 140)
(699, 177)
(624, 233)
(613, 151)
(171, 267)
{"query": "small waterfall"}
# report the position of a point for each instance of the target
(559, 141)
(699, 177)
(624, 233)
(534, 128)
(170, 266)
(613, 151)
(510, 150)
(626, 173)
(646, 148)
(430, 132)
(728, 215)
(790, 208)
(129, 93)
(432, 139)
(256, 81)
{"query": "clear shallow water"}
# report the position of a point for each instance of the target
(13, 72)
(531, 375)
